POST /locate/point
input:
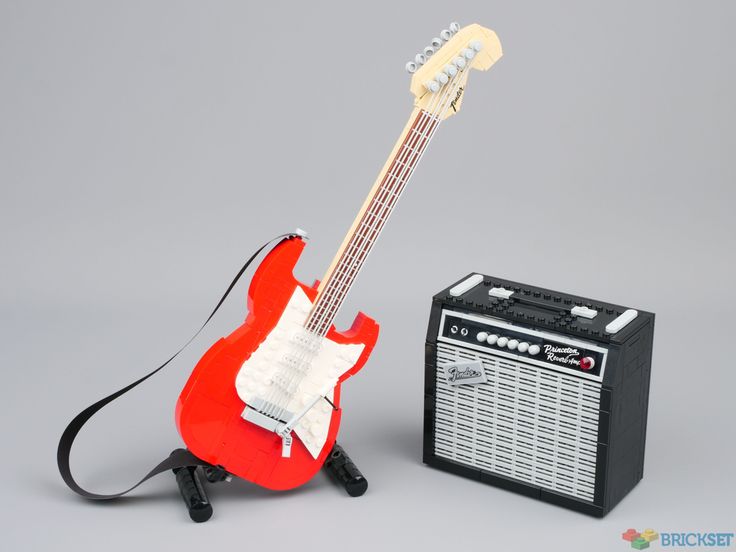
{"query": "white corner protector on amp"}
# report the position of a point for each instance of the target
(466, 285)
(622, 321)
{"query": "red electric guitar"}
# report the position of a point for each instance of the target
(264, 402)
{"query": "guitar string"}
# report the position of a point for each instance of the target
(393, 190)
(406, 174)
(398, 181)
(277, 408)
(369, 230)
(358, 251)
(408, 158)
(379, 204)
(343, 281)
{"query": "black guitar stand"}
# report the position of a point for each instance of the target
(191, 485)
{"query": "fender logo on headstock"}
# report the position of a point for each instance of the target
(453, 103)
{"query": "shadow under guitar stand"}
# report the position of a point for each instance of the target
(191, 485)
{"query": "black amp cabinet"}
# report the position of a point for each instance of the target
(538, 392)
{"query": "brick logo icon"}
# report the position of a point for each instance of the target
(640, 541)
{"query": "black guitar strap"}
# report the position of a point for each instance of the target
(180, 458)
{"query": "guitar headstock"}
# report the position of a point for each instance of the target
(440, 72)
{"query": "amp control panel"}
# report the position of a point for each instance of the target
(556, 352)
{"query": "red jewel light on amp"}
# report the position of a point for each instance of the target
(587, 363)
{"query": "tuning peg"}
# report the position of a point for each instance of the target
(428, 51)
(446, 34)
(454, 27)
(459, 62)
(432, 86)
(441, 78)
(437, 43)
(468, 53)
(476, 45)
(411, 67)
(450, 70)
(420, 59)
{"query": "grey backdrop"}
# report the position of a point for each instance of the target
(147, 147)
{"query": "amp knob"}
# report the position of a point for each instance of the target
(587, 363)
(482, 336)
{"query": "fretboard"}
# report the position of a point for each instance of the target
(370, 220)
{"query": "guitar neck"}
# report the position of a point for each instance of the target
(371, 219)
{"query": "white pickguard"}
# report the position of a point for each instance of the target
(254, 379)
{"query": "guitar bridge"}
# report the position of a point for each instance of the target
(256, 413)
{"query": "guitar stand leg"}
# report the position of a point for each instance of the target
(215, 474)
(341, 467)
(193, 493)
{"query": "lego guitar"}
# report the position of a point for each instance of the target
(264, 402)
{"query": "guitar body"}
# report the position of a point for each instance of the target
(209, 410)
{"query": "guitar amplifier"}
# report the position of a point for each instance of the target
(538, 392)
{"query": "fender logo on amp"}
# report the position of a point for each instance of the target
(465, 373)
